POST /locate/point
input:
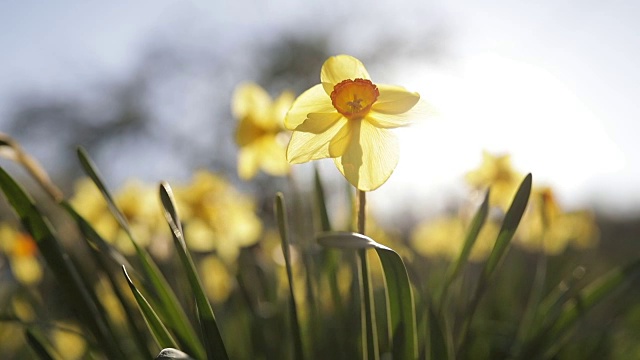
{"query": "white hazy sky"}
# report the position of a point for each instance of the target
(554, 83)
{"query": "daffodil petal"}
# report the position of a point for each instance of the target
(272, 156)
(247, 132)
(369, 162)
(340, 142)
(318, 122)
(305, 146)
(247, 98)
(280, 107)
(314, 100)
(394, 99)
(342, 67)
(247, 163)
(386, 121)
(328, 87)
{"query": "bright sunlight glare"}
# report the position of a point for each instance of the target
(502, 106)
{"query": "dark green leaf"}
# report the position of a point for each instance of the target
(549, 339)
(507, 231)
(170, 309)
(325, 223)
(212, 338)
(60, 264)
(398, 289)
(293, 312)
(37, 346)
(472, 235)
(509, 226)
(160, 333)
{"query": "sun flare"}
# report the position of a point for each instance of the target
(496, 104)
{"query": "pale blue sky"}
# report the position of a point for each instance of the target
(588, 50)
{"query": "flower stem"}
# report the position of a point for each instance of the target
(361, 202)
(370, 334)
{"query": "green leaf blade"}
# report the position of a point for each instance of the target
(476, 225)
(398, 290)
(59, 262)
(37, 346)
(213, 342)
(293, 312)
(160, 333)
(509, 226)
(170, 310)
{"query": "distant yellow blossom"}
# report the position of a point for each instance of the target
(260, 129)
(215, 216)
(21, 251)
(546, 228)
(69, 341)
(445, 236)
(347, 117)
(137, 201)
(216, 279)
(496, 172)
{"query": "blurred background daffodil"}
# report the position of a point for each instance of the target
(260, 134)
(21, 251)
(496, 171)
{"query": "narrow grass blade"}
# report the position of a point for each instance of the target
(11, 149)
(398, 289)
(595, 292)
(101, 251)
(551, 338)
(36, 345)
(160, 333)
(213, 343)
(439, 336)
(507, 231)
(60, 264)
(325, 223)
(170, 309)
(330, 260)
(509, 226)
(472, 235)
(93, 238)
(552, 305)
(281, 217)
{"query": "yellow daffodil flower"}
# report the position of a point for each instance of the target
(137, 201)
(347, 117)
(445, 236)
(22, 253)
(260, 131)
(215, 216)
(547, 228)
(496, 171)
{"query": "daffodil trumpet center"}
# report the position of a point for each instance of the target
(353, 98)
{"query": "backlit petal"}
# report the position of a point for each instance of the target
(280, 107)
(247, 132)
(314, 100)
(305, 146)
(272, 156)
(319, 122)
(247, 163)
(341, 141)
(249, 99)
(394, 99)
(386, 121)
(342, 67)
(368, 163)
